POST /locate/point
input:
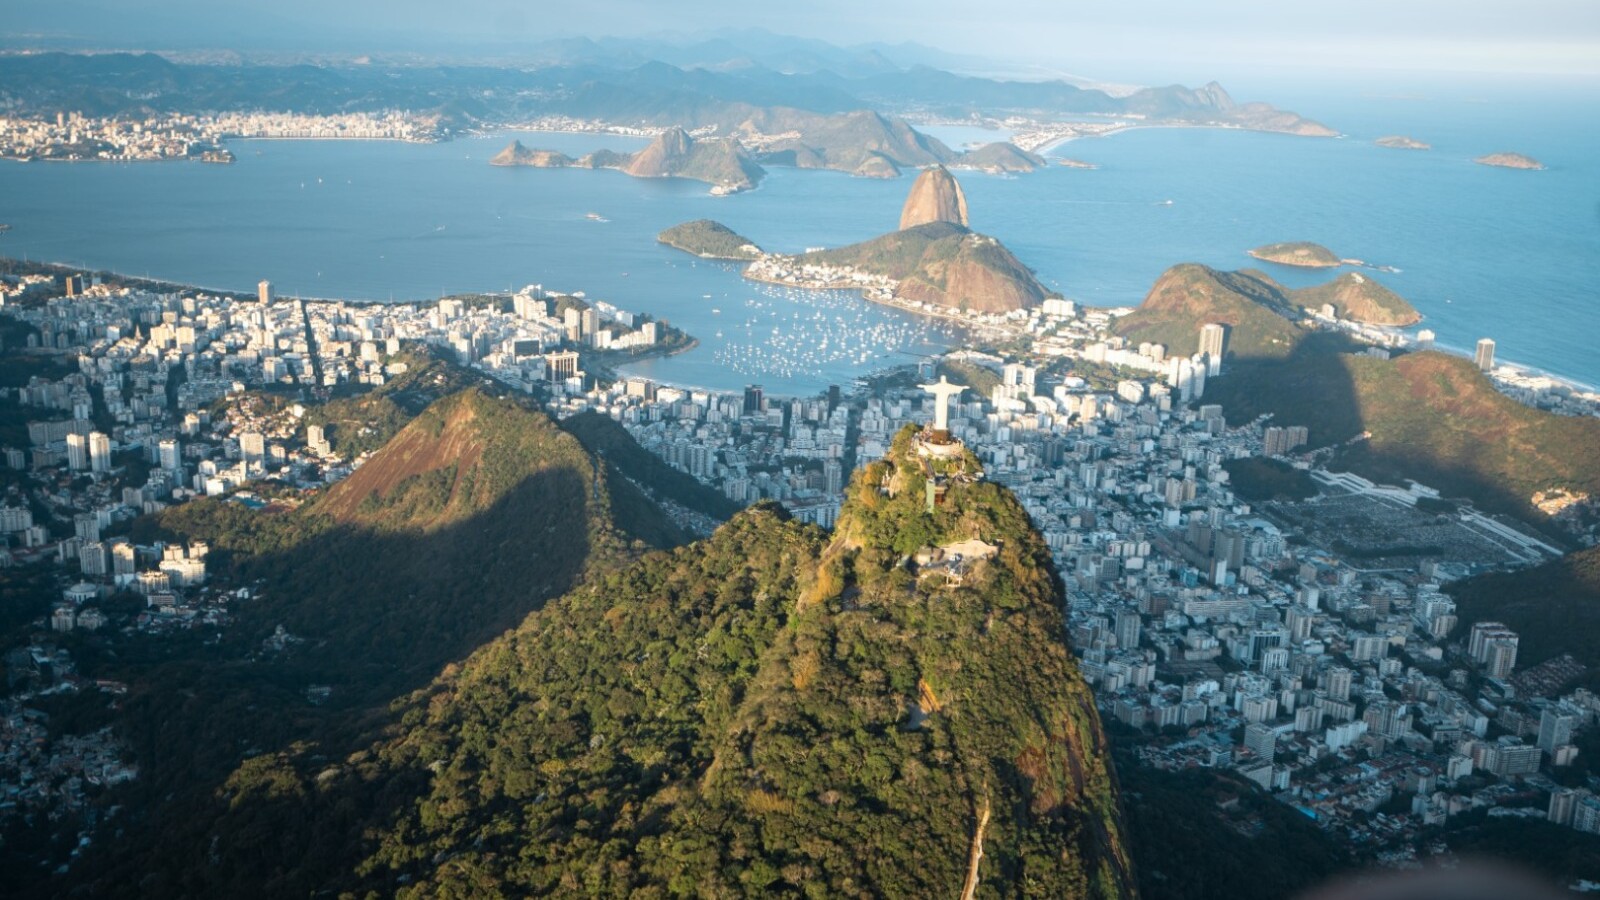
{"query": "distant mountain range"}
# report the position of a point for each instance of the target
(653, 93)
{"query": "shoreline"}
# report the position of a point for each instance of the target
(1521, 369)
(1577, 385)
(864, 294)
(1043, 149)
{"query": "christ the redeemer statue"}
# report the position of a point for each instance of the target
(942, 392)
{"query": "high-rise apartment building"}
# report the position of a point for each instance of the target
(99, 452)
(1485, 355)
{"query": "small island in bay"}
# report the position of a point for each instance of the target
(1509, 161)
(1304, 254)
(1075, 164)
(1401, 142)
(709, 240)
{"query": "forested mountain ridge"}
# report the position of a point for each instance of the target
(473, 515)
(473, 507)
(772, 711)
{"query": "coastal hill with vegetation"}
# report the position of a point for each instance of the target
(859, 141)
(734, 717)
(1509, 161)
(936, 259)
(709, 240)
(1299, 253)
(1263, 316)
(998, 157)
(1427, 416)
(1262, 320)
(1359, 298)
(723, 163)
(943, 264)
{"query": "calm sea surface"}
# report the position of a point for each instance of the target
(1481, 252)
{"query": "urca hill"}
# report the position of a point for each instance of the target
(933, 259)
(775, 711)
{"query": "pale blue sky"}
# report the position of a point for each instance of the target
(1548, 36)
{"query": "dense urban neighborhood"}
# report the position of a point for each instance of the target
(1234, 605)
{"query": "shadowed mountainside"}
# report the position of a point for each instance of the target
(1427, 416)
(603, 436)
(1554, 608)
(472, 516)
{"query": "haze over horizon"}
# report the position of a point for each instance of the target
(1144, 40)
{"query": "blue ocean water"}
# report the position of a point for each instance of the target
(1481, 251)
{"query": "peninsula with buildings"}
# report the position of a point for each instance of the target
(934, 263)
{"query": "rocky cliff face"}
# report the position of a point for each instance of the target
(663, 155)
(935, 197)
(722, 163)
(973, 272)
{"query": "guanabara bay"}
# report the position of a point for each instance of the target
(737, 450)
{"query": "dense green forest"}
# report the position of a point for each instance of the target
(771, 711)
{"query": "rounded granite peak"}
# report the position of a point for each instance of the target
(936, 196)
